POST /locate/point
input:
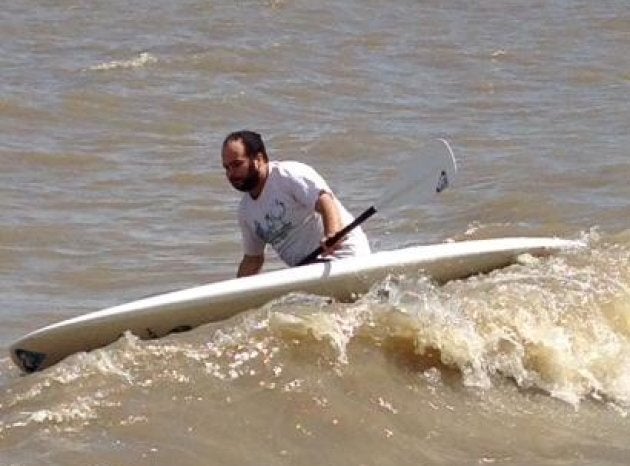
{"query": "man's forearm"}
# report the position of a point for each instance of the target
(329, 211)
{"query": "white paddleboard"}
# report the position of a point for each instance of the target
(345, 279)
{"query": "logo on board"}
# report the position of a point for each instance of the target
(442, 183)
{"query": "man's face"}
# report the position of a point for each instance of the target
(240, 170)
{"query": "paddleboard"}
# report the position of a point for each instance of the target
(345, 279)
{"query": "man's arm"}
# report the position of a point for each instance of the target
(250, 265)
(331, 217)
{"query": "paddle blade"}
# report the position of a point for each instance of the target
(429, 173)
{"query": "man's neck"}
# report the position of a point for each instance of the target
(264, 174)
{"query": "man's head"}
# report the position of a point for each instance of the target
(244, 158)
(252, 142)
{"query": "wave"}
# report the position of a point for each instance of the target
(139, 61)
(557, 325)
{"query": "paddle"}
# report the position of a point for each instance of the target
(428, 175)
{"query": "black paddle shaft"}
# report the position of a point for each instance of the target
(340, 234)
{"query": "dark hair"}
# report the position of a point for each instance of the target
(252, 141)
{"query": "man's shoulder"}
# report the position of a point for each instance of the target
(242, 204)
(292, 168)
(289, 165)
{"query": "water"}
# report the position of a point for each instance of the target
(112, 117)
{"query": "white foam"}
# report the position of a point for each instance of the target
(141, 60)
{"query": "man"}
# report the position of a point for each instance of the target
(286, 204)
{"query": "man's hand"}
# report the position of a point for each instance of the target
(329, 250)
(250, 265)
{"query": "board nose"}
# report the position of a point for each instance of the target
(29, 361)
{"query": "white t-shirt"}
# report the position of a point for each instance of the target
(284, 216)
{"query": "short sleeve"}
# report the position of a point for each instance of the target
(307, 184)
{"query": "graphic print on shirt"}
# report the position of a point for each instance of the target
(276, 226)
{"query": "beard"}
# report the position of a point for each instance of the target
(250, 181)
